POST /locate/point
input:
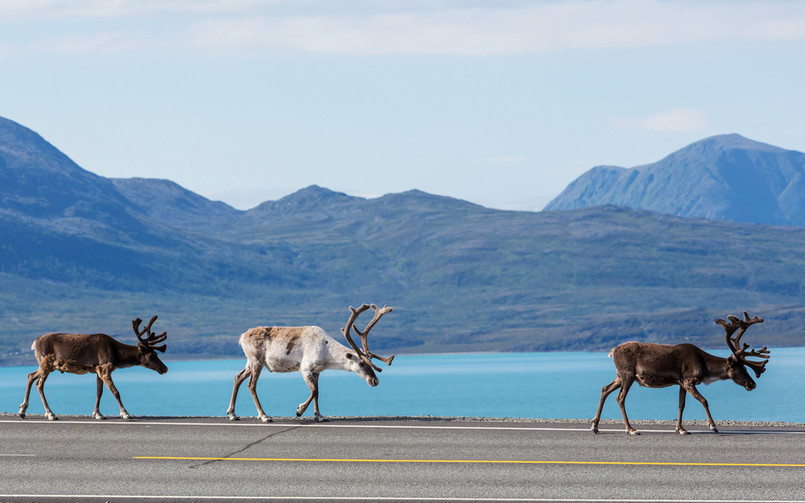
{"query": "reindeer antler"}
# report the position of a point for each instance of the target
(739, 325)
(152, 340)
(366, 355)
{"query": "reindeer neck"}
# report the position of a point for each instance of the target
(717, 367)
(128, 354)
(337, 355)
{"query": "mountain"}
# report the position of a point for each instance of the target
(171, 204)
(726, 177)
(460, 277)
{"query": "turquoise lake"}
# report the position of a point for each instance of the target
(526, 385)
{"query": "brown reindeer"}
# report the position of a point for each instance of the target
(661, 365)
(97, 353)
(309, 350)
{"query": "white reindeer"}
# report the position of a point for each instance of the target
(310, 350)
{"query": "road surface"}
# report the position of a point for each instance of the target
(384, 459)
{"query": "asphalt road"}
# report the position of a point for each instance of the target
(212, 459)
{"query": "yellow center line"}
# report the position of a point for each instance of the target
(475, 461)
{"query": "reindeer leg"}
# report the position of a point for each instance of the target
(106, 376)
(239, 378)
(255, 375)
(698, 396)
(312, 380)
(317, 415)
(679, 428)
(605, 392)
(32, 377)
(626, 384)
(96, 413)
(40, 385)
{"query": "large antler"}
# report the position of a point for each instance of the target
(739, 325)
(152, 340)
(365, 355)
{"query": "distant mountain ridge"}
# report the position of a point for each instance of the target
(726, 177)
(80, 252)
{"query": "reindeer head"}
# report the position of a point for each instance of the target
(148, 346)
(361, 368)
(363, 363)
(737, 359)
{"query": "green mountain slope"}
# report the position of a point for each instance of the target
(724, 177)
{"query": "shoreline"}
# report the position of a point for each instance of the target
(427, 419)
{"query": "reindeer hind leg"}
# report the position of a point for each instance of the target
(96, 413)
(679, 428)
(626, 384)
(32, 378)
(605, 392)
(254, 376)
(239, 378)
(40, 386)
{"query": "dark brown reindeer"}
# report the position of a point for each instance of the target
(685, 365)
(309, 350)
(97, 353)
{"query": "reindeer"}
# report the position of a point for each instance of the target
(660, 365)
(97, 353)
(310, 350)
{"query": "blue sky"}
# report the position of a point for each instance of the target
(502, 103)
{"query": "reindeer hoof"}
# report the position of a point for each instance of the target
(632, 432)
(99, 416)
(682, 431)
(264, 419)
(714, 429)
(320, 419)
(233, 417)
(21, 413)
(51, 417)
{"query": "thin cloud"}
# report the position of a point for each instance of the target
(505, 160)
(451, 27)
(679, 120)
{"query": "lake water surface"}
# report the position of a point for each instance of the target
(527, 385)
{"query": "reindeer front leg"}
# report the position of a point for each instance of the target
(105, 375)
(312, 380)
(691, 388)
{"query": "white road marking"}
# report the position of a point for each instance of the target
(240, 424)
(163, 497)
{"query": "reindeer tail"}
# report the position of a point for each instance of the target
(610, 352)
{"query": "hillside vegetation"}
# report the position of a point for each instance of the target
(725, 177)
